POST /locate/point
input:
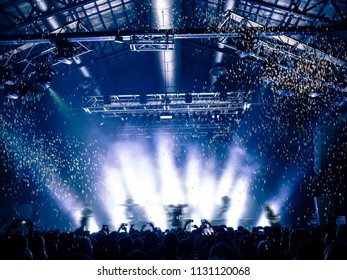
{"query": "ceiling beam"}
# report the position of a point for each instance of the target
(201, 102)
(338, 9)
(295, 11)
(187, 33)
(44, 15)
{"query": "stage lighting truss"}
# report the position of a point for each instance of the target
(270, 42)
(233, 32)
(31, 55)
(289, 66)
(151, 42)
(246, 37)
(203, 102)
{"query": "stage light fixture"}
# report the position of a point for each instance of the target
(315, 94)
(65, 52)
(7, 77)
(246, 106)
(43, 79)
(11, 92)
(246, 44)
(166, 116)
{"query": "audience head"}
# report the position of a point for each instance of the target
(106, 248)
(336, 251)
(309, 243)
(295, 237)
(265, 250)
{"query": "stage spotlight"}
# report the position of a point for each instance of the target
(43, 80)
(11, 92)
(245, 44)
(44, 76)
(166, 116)
(315, 94)
(246, 106)
(65, 52)
(28, 91)
(7, 77)
(216, 116)
(22, 89)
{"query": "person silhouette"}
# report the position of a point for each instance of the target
(86, 213)
(271, 216)
(220, 215)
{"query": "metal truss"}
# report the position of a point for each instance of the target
(152, 42)
(141, 40)
(120, 105)
(184, 128)
(294, 8)
(32, 55)
(33, 49)
(35, 13)
(186, 33)
(274, 42)
(157, 40)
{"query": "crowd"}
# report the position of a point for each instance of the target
(206, 242)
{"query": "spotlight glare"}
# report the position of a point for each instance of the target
(315, 94)
(166, 116)
(154, 183)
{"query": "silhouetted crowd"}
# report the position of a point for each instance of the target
(219, 242)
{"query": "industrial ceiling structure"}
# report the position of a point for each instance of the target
(289, 40)
(152, 60)
(171, 58)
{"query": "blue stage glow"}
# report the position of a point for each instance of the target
(143, 178)
(155, 180)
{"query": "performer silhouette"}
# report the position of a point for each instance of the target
(135, 214)
(176, 215)
(86, 213)
(220, 215)
(271, 216)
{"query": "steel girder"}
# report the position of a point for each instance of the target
(187, 33)
(148, 39)
(293, 9)
(119, 105)
(269, 40)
